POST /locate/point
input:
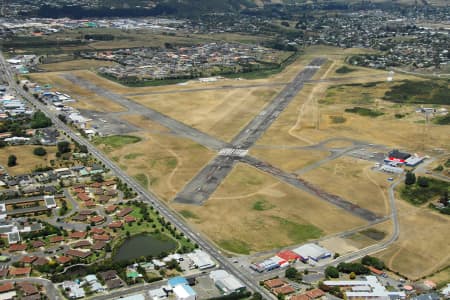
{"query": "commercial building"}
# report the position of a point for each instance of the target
(201, 259)
(226, 282)
(312, 251)
(370, 288)
(397, 156)
(184, 292)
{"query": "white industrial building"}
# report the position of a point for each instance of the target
(226, 282)
(184, 292)
(370, 288)
(312, 251)
(201, 259)
(391, 169)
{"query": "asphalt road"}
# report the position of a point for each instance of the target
(177, 127)
(143, 193)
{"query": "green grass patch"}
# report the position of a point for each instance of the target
(133, 155)
(442, 120)
(366, 112)
(142, 179)
(172, 162)
(235, 246)
(188, 214)
(344, 70)
(420, 92)
(338, 119)
(298, 233)
(117, 141)
(262, 204)
(418, 195)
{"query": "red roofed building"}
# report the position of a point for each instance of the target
(101, 237)
(78, 253)
(28, 259)
(89, 203)
(19, 271)
(115, 224)
(96, 230)
(56, 239)
(6, 287)
(375, 270)
(300, 297)
(37, 244)
(78, 235)
(124, 212)
(98, 245)
(63, 259)
(315, 293)
(17, 247)
(97, 219)
(40, 261)
(83, 197)
(284, 290)
(96, 185)
(81, 244)
(274, 283)
(28, 290)
(129, 219)
(110, 209)
(289, 256)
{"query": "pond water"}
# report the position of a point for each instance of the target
(143, 245)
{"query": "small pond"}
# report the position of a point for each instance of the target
(143, 245)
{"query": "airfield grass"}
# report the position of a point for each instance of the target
(109, 143)
(76, 64)
(26, 160)
(422, 247)
(353, 180)
(85, 99)
(163, 163)
(220, 113)
(252, 211)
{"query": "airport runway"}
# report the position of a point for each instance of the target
(177, 127)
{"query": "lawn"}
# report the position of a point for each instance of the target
(420, 92)
(26, 160)
(116, 141)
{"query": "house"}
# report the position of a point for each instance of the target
(274, 283)
(63, 259)
(115, 224)
(78, 235)
(315, 293)
(37, 244)
(78, 253)
(98, 245)
(7, 291)
(81, 244)
(129, 219)
(124, 212)
(97, 230)
(101, 237)
(97, 219)
(283, 290)
(110, 209)
(19, 271)
(41, 261)
(28, 259)
(17, 247)
(56, 239)
(28, 289)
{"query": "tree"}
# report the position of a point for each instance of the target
(39, 151)
(331, 272)
(352, 275)
(372, 261)
(12, 160)
(423, 182)
(444, 198)
(63, 147)
(257, 296)
(291, 273)
(410, 178)
(40, 120)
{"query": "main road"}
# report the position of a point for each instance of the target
(145, 195)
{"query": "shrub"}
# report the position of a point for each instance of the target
(12, 160)
(39, 151)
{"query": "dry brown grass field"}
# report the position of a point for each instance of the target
(161, 163)
(85, 99)
(26, 160)
(252, 211)
(422, 247)
(353, 180)
(221, 113)
(77, 64)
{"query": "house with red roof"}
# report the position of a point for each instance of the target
(315, 293)
(101, 237)
(56, 239)
(97, 230)
(115, 224)
(78, 253)
(124, 212)
(63, 259)
(129, 219)
(28, 259)
(17, 247)
(97, 219)
(78, 235)
(19, 271)
(110, 209)
(6, 287)
(83, 197)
